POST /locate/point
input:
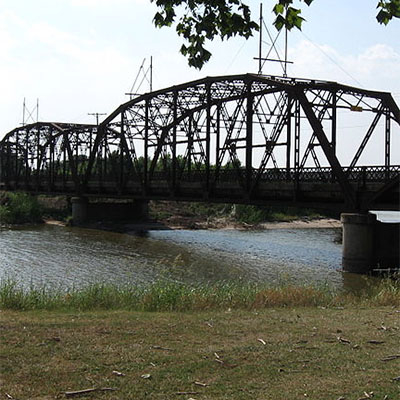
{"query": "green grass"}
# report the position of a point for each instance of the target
(257, 214)
(316, 353)
(173, 296)
(19, 208)
(240, 341)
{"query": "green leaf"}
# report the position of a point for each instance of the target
(158, 20)
(279, 9)
(279, 22)
(297, 22)
(388, 10)
(383, 17)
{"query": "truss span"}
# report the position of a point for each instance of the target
(243, 138)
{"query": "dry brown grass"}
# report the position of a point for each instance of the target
(285, 353)
(291, 296)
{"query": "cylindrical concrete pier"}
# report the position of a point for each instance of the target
(358, 242)
(79, 209)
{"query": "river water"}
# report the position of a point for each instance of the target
(74, 257)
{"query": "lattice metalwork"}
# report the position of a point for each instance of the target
(230, 138)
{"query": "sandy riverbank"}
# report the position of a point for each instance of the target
(223, 224)
(172, 215)
(214, 224)
(315, 223)
(298, 224)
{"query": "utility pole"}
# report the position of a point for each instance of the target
(97, 116)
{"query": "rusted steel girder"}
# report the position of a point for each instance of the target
(328, 150)
(35, 156)
(194, 140)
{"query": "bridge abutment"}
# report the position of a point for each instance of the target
(369, 244)
(85, 210)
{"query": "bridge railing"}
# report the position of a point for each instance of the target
(357, 174)
(62, 175)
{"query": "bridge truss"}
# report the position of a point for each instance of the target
(244, 138)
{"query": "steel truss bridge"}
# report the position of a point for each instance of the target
(246, 139)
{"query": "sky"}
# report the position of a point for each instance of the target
(81, 56)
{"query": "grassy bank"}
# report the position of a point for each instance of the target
(320, 353)
(172, 296)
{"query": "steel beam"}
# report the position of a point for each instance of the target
(326, 147)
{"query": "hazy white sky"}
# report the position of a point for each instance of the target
(82, 56)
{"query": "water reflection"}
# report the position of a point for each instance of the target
(55, 255)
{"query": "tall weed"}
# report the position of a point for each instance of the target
(175, 296)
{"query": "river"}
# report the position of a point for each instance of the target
(59, 256)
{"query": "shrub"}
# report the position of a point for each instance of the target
(19, 208)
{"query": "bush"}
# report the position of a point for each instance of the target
(251, 214)
(19, 208)
(257, 214)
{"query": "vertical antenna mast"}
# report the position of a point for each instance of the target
(151, 73)
(260, 44)
(146, 75)
(29, 116)
(283, 61)
(286, 49)
(23, 112)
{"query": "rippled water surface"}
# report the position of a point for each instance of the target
(54, 255)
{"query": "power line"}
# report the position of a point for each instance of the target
(332, 60)
(236, 56)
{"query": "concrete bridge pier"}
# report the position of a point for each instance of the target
(369, 244)
(114, 210)
(358, 242)
(79, 209)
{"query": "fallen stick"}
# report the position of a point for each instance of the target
(343, 340)
(200, 384)
(184, 393)
(118, 373)
(160, 348)
(85, 391)
(390, 358)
